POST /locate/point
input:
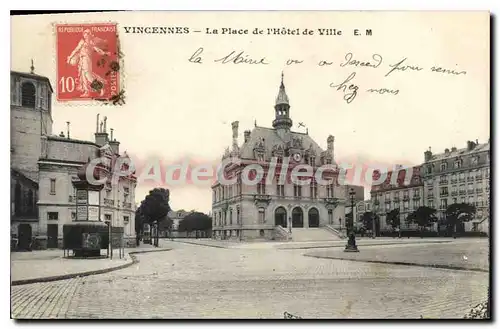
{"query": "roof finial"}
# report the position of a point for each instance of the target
(255, 123)
(282, 76)
(32, 68)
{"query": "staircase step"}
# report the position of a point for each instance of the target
(313, 234)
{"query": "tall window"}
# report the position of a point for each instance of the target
(314, 190)
(238, 215)
(443, 166)
(262, 214)
(430, 203)
(28, 95)
(238, 185)
(52, 186)
(281, 190)
(261, 188)
(444, 203)
(330, 216)
(230, 216)
(329, 191)
(297, 191)
(458, 164)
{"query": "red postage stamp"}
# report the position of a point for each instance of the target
(88, 65)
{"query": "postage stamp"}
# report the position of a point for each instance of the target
(88, 62)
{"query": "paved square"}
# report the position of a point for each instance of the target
(194, 281)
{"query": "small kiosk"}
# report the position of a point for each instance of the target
(87, 235)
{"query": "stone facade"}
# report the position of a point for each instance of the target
(258, 210)
(43, 167)
(460, 176)
(402, 189)
(455, 176)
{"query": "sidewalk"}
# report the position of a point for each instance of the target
(460, 255)
(50, 265)
(231, 244)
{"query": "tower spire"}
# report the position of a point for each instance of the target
(282, 97)
(32, 67)
(282, 109)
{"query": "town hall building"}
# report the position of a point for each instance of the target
(272, 211)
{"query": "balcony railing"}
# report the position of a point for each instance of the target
(479, 177)
(376, 202)
(396, 198)
(109, 202)
(454, 193)
(479, 190)
(406, 197)
(443, 182)
(462, 179)
(416, 196)
(461, 192)
(127, 205)
(444, 194)
(470, 191)
(453, 180)
(262, 197)
(430, 196)
(470, 179)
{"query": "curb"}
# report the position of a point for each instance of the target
(365, 245)
(202, 245)
(447, 267)
(88, 273)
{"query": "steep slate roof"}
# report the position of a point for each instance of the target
(271, 138)
(460, 152)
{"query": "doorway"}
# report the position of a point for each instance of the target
(313, 217)
(297, 217)
(24, 236)
(52, 234)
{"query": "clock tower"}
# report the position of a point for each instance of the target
(282, 122)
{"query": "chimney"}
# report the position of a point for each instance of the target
(247, 135)
(101, 137)
(470, 145)
(447, 151)
(477, 141)
(105, 119)
(61, 134)
(235, 125)
(453, 149)
(67, 125)
(97, 124)
(428, 155)
(329, 144)
(113, 143)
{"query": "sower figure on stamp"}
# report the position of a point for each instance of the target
(82, 56)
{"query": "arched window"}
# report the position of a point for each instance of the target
(28, 95)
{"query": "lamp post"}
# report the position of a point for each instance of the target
(351, 242)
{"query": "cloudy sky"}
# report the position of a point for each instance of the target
(179, 110)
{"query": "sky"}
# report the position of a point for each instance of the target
(176, 109)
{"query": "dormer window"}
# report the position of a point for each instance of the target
(458, 163)
(312, 160)
(443, 166)
(28, 95)
(474, 160)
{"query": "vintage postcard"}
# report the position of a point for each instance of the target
(250, 165)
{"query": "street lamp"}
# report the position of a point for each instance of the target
(351, 242)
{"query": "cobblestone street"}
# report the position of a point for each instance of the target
(193, 281)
